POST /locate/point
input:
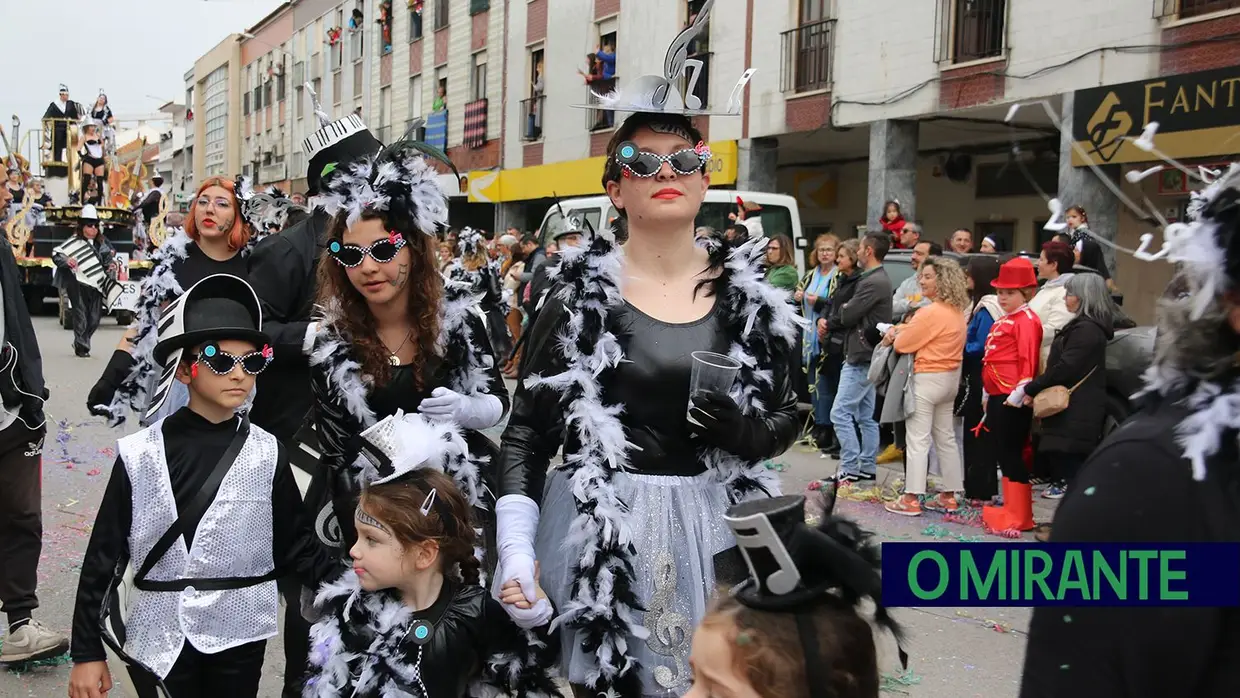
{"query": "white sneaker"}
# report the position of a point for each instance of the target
(32, 642)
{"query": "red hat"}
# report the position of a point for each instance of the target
(1015, 274)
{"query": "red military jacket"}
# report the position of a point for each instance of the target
(1013, 351)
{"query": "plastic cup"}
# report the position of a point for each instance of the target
(711, 372)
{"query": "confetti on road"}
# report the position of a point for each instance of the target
(939, 533)
(897, 683)
(93, 472)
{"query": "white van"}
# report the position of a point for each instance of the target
(779, 215)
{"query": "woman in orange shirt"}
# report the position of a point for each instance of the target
(936, 335)
(1013, 357)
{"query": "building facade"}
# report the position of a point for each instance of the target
(217, 110)
(267, 124)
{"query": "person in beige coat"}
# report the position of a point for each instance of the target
(1055, 267)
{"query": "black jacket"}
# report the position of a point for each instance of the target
(829, 307)
(282, 272)
(859, 316)
(1079, 347)
(470, 634)
(19, 332)
(1091, 651)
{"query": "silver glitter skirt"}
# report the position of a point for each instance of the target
(677, 527)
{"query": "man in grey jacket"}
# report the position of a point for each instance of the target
(853, 410)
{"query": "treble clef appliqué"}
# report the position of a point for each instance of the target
(669, 630)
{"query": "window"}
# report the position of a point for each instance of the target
(415, 96)
(258, 98)
(357, 79)
(476, 6)
(441, 14)
(299, 101)
(280, 89)
(478, 76)
(267, 89)
(1195, 8)
(532, 108)
(806, 50)
(356, 45)
(215, 131)
(971, 30)
(245, 103)
(385, 115)
(415, 24)
(440, 100)
(337, 50)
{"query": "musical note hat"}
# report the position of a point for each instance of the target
(221, 306)
(658, 94)
(334, 144)
(793, 567)
(399, 180)
(405, 442)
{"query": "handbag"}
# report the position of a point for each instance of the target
(121, 591)
(1055, 399)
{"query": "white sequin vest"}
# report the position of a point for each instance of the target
(234, 539)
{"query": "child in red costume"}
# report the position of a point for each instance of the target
(1011, 361)
(892, 221)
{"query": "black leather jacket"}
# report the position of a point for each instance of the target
(470, 632)
(653, 385)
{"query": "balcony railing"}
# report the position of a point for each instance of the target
(532, 112)
(1183, 9)
(475, 124)
(806, 63)
(597, 119)
(970, 30)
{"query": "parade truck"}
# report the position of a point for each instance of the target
(35, 234)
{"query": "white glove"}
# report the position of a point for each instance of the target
(516, 521)
(476, 412)
(1017, 397)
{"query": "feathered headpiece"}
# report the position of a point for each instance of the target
(265, 211)
(470, 242)
(793, 567)
(402, 443)
(399, 180)
(658, 94)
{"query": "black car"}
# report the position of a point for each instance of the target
(1129, 353)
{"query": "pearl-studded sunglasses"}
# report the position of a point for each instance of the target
(635, 162)
(382, 251)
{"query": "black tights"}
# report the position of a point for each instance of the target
(1007, 433)
(233, 673)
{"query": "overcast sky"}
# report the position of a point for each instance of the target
(135, 50)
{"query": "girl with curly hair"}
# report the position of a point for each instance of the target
(392, 333)
(936, 334)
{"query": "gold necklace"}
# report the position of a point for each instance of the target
(393, 357)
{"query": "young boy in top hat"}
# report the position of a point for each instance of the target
(202, 507)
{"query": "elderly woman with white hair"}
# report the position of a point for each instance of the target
(1077, 362)
(1168, 474)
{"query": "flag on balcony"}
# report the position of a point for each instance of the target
(437, 129)
(476, 123)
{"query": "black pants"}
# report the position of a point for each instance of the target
(1064, 466)
(980, 481)
(1008, 433)
(87, 310)
(296, 639)
(21, 518)
(233, 673)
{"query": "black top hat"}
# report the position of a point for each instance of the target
(338, 142)
(220, 306)
(794, 567)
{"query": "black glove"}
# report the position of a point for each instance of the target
(113, 377)
(724, 427)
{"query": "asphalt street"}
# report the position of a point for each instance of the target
(953, 652)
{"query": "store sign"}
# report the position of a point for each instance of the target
(1198, 116)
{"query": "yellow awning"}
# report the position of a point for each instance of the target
(574, 178)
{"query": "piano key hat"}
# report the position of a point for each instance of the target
(89, 215)
(221, 306)
(334, 145)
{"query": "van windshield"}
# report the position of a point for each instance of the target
(776, 220)
(555, 223)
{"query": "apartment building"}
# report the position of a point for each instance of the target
(265, 104)
(216, 106)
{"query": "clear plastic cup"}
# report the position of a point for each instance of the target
(711, 373)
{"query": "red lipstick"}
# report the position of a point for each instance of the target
(667, 193)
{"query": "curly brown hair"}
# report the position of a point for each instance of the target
(398, 504)
(767, 648)
(354, 320)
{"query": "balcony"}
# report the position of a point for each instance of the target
(970, 30)
(1185, 9)
(597, 119)
(805, 65)
(532, 113)
(475, 124)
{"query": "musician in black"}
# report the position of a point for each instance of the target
(149, 206)
(81, 279)
(62, 108)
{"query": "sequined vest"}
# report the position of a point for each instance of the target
(234, 539)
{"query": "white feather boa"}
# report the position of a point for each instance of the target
(763, 326)
(468, 373)
(359, 648)
(159, 287)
